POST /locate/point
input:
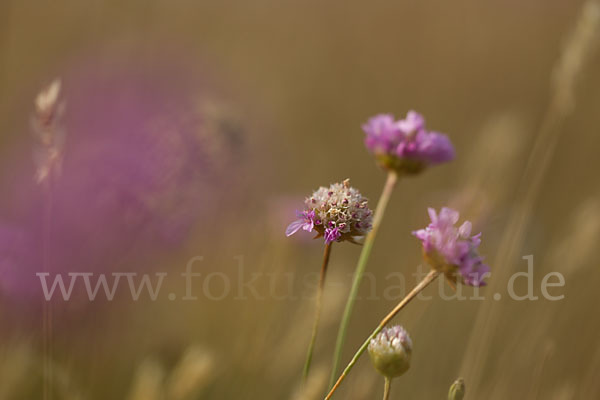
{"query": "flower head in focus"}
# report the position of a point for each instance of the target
(390, 351)
(337, 213)
(450, 249)
(405, 145)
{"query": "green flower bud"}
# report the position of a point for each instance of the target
(457, 390)
(390, 351)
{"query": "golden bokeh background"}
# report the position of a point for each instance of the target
(299, 79)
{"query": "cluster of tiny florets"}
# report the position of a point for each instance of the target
(390, 351)
(338, 212)
(392, 339)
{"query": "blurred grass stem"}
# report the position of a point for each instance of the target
(46, 305)
(319, 307)
(576, 55)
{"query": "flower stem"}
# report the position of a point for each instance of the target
(390, 183)
(319, 301)
(48, 200)
(430, 277)
(386, 388)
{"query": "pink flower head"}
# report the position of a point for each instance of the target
(405, 145)
(338, 212)
(449, 248)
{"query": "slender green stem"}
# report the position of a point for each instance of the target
(386, 388)
(390, 183)
(319, 301)
(413, 293)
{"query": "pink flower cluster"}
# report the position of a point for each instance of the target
(338, 212)
(450, 248)
(406, 145)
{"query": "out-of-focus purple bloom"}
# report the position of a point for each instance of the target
(429, 147)
(448, 248)
(383, 134)
(338, 212)
(145, 163)
(413, 122)
(405, 145)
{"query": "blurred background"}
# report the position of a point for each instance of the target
(196, 128)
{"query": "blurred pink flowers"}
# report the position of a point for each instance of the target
(448, 248)
(145, 163)
(405, 145)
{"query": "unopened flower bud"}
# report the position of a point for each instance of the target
(457, 390)
(390, 351)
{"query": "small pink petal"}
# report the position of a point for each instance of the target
(465, 229)
(294, 227)
(450, 215)
(432, 214)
